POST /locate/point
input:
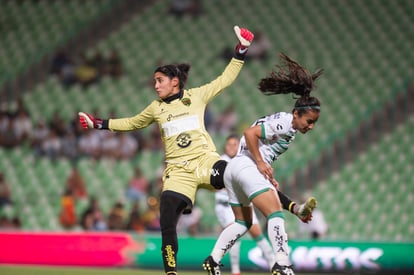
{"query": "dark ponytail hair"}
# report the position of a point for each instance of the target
(292, 78)
(175, 70)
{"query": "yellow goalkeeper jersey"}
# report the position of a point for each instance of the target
(182, 120)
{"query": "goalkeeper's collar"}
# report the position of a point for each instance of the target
(173, 97)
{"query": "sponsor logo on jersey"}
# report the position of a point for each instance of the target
(181, 125)
(171, 116)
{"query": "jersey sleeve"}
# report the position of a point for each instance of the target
(274, 127)
(210, 90)
(139, 121)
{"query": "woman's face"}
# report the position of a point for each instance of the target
(231, 147)
(305, 122)
(164, 86)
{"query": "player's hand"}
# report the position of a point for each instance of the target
(245, 39)
(88, 121)
(275, 183)
(266, 170)
(244, 35)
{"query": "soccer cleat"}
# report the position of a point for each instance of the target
(282, 270)
(305, 210)
(211, 266)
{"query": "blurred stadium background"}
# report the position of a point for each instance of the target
(358, 161)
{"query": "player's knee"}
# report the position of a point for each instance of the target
(217, 173)
(171, 207)
(247, 224)
(168, 231)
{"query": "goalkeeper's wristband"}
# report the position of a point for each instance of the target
(103, 124)
(240, 51)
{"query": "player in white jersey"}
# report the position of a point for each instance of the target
(225, 214)
(249, 176)
(191, 157)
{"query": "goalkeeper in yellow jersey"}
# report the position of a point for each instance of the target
(190, 154)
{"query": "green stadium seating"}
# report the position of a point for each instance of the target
(370, 198)
(33, 29)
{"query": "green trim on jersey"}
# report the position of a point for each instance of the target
(263, 131)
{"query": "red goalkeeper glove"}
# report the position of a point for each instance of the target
(245, 39)
(88, 121)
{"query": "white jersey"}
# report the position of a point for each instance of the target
(277, 134)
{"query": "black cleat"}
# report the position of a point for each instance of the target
(211, 266)
(282, 270)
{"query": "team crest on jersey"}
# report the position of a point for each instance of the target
(183, 140)
(186, 101)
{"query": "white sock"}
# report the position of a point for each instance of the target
(227, 239)
(267, 250)
(235, 258)
(278, 237)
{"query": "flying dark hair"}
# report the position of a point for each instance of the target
(291, 77)
(175, 70)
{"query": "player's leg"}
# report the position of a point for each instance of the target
(172, 205)
(270, 206)
(303, 211)
(242, 211)
(261, 241)
(217, 174)
(225, 217)
(287, 203)
(230, 235)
